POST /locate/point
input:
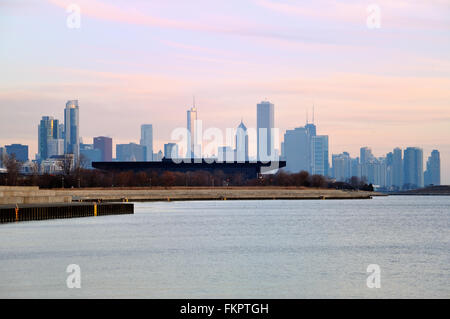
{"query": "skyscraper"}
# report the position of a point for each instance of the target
(171, 151)
(55, 147)
(342, 169)
(130, 152)
(19, 151)
(242, 143)
(147, 141)
(366, 155)
(265, 126)
(413, 168)
(311, 129)
(297, 150)
(319, 150)
(432, 175)
(397, 167)
(193, 143)
(89, 154)
(72, 129)
(48, 132)
(390, 169)
(104, 144)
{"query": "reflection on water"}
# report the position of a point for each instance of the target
(236, 249)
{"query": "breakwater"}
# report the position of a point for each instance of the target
(208, 193)
(30, 212)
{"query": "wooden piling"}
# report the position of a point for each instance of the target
(19, 213)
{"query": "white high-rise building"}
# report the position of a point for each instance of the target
(265, 134)
(242, 143)
(147, 141)
(194, 149)
(319, 152)
(72, 129)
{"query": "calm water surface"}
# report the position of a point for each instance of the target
(236, 249)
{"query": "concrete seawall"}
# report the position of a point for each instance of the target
(209, 193)
(31, 195)
(13, 213)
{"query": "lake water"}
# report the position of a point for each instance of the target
(236, 249)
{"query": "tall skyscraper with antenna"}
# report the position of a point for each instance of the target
(193, 146)
(305, 150)
(310, 127)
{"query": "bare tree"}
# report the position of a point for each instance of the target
(66, 164)
(13, 168)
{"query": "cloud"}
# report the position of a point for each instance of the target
(395, 14)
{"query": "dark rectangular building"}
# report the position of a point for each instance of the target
(19, 151)
(104, 144)
(249, 170)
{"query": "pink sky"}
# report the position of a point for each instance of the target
(135, 62)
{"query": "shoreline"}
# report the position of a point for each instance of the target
(211, 193)
(34, 195)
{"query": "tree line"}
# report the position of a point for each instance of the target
(79, 177)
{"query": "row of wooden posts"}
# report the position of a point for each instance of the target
(74, 210)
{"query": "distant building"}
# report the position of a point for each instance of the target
(342, 167)
(19, 151)
(130, 152)
(297, 150)
(311, 129)
(319, 160)
(366, 155)
(356, 168)
(2, 156)
(104, 144)
(265, 127)
(89, 154)
(242, 143)
(48, 131)
(413, 168)
(55, 147)
(225, 154)
(147, 141)
(432, 175)
(194, 149)
(397, 167)
(158, 157)
(72, 129)
(58, 164)
(171, 151)
(61, 133)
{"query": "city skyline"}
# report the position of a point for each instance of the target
(384, 88)
(302, 149)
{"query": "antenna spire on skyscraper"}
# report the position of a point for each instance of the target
(313, 114)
